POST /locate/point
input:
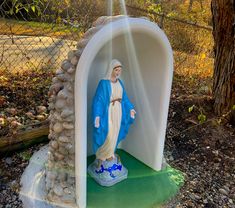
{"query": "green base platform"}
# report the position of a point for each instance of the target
(144, 187)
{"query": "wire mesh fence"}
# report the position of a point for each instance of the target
(33, 37)
(192, 43)
(23, 46)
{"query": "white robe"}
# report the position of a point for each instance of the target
(115, 115)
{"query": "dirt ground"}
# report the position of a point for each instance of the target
(204, 152)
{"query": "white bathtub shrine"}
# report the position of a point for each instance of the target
(147, 59)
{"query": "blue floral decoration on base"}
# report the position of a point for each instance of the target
(108, 173)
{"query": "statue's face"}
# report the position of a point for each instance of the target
(117, 72)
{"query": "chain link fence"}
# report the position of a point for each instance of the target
(35, 38)
(39, 37)
(192, 43)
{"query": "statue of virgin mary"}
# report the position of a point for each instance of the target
(112, 113)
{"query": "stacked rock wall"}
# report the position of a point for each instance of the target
(60, 168)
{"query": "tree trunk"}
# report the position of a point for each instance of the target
(223, 12)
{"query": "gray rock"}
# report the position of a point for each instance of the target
(59, 71)
(70, 148)
(63, 151)
(14, 198)
(70, 101)
(82, 43)
(63, 139)
(230, 201)
(66, 65)
(68, 199)
(57, 116)
(71, 163)
(100, 21)
(62, 94)
(205, 201)
(48, 185)
(71, 70)
(63, 77)
(60, 103)
(69, 133)
(55, 80)
(51, 106)
(51, 175)
(71, 54)
(67, 190)
(78, 53)
(70, 118)
(226, 188)
(68, 125)
(74, 61)
(8, 160)
(62, 177)
(71, 181)
(66, 113)
(170, 158)
(58, 127)
(58, 190)
(194, 196)
(69, 87)
(89, 33)
(54, 144)
(59, 156)
(223, 191)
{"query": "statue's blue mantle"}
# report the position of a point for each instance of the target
(100, 108)
(108, 173)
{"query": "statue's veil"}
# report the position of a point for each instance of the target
(114, 63)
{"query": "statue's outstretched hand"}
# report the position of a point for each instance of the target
(97, 122)
(133, 112)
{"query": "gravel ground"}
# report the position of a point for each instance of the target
(11, 169)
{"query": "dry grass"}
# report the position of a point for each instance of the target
(189, 65)
(15, 27)
(27, 46)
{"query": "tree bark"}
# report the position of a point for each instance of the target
(223, 12)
